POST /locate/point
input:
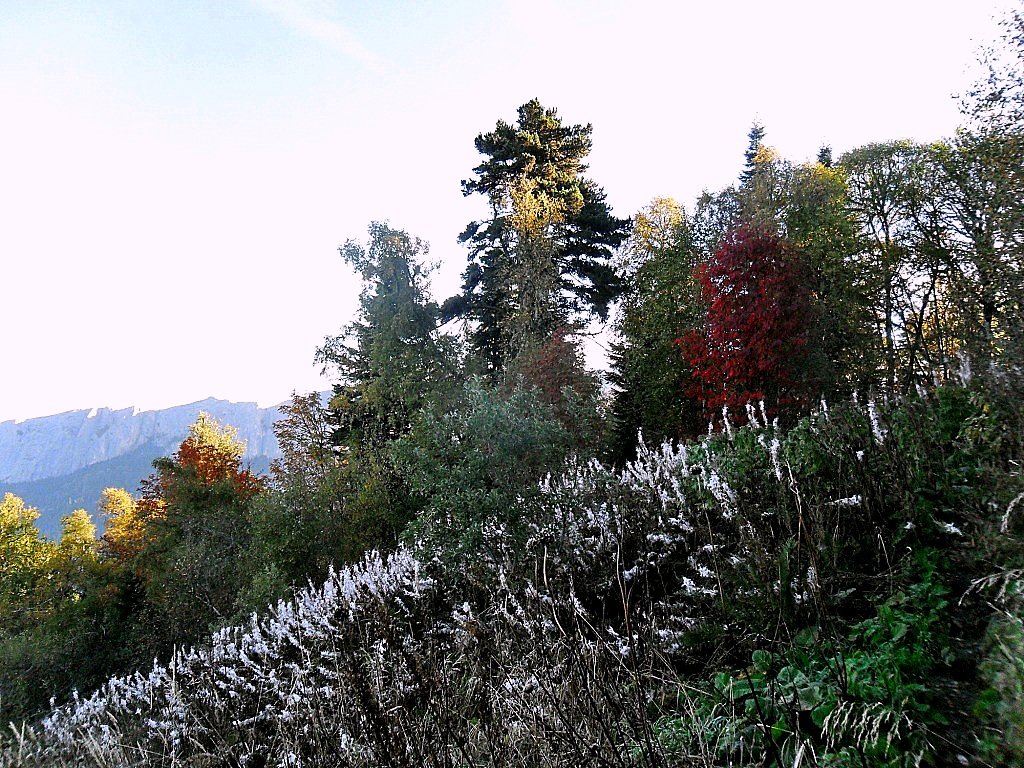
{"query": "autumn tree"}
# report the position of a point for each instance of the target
(541, 261)
(557, 374)
(76, 556)
(124, 526)
(753, 340)
(195, 511)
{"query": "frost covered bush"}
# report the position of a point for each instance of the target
(274, 687)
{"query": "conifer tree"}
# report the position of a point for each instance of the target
(392, 355)
(541, 260)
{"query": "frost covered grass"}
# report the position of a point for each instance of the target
(751, 597)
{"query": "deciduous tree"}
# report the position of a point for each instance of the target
(754, 338)
(660, 303)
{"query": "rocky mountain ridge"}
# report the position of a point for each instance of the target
(50, 446)
(59, 463)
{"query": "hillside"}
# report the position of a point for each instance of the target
(812, 595)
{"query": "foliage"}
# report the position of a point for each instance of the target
(23, 554)
(298, 526)
(124, 529)
(1000, 706)
(557, 375)
(333, 504)
(754, 338)
(661, 303)
(392, 356)
(195, 510)
(471, 466)
(823, 229)
(790, 591)
(590, 624)
(56, 628)
(840, 702)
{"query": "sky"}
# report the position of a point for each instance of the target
(176, 177)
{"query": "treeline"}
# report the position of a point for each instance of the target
(882, 274)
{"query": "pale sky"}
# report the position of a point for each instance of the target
(175, 177)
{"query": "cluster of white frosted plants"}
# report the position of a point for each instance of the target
(614, 532)
(247, 680)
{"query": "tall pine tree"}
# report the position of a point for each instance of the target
(540, 262)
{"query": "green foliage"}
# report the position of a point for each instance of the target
(798, 596)
(661, 303)
(1000, 705)
(58, 625)
(338, 493)
(23, 556)
(863, 697)
(195, 511)
(392, 356)
(821, 226)
(473, 466)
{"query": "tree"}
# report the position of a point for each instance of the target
(195, 512)
(393, 355)
(392, 362)
(58, 629)
(124, 528)
(755, 147)
(988, 155)
(302, 525)
(474, 466)
(660, 303)
(996, 101)
(884, 193)
(764, 184)
(23, 557)
(541, 261)
(76, 556)
(983, 217)
(754, 339)
(820, 225)
(558, 376)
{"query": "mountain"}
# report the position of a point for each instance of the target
(61, 463)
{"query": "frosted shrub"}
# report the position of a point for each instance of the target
(251, 689)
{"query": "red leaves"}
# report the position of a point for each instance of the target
(212, 463)
(752, 345)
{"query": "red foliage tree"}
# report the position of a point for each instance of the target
(753, 344)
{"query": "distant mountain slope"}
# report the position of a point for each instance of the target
(63, 462)
(59, 445)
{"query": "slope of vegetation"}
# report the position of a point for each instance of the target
(816, 594)
(788, 534)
